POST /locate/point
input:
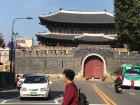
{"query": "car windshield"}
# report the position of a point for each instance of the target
(132, 72)
(35, 79)
(25, 76)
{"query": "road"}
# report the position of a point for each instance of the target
(127, 97)
(98, 93)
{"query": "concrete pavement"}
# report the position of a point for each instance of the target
(98, 93)
(57, 89)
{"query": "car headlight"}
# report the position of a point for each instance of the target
(23, 89)
(43, 89)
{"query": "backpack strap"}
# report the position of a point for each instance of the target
(75, 86)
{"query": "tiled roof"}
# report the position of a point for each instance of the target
(79, 17)
(79, 38)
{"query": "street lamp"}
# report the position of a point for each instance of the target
(12, 52)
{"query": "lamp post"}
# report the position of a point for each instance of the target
(12, 52)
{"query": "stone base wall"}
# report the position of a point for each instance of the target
(50, 65)
(55, 63)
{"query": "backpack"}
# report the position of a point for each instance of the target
(82, 98)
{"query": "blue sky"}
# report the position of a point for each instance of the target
(10, 9)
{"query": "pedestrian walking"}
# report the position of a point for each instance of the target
(18, 77)
(71, 91)
(132, 83)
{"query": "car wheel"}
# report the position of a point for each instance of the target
(21, 98)
(49, 96)
(18, 88)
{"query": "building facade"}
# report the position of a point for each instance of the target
(83, 41)
(4, 60)
(23, 42)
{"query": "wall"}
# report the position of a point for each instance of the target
(46, 61)
(54, 61)
(7, 80)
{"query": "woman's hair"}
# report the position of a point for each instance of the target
(70, 74)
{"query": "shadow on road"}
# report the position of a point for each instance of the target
(56, 94)
(53, 95)
(128, 87)
(9, 95)
(15, 94)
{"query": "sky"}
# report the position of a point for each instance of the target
(10, 9)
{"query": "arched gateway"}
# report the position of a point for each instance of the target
(94, 66)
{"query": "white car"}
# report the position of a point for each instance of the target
(35, 86)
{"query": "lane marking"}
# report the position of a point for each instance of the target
(101, 95)
(104, 96)
(56, 100)
(111, 101)
(3, 101)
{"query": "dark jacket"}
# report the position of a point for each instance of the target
(118, 82)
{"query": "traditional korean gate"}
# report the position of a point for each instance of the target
(93, 67)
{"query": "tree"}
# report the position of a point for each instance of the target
(127, 17)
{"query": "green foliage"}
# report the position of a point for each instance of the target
(127, 17)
